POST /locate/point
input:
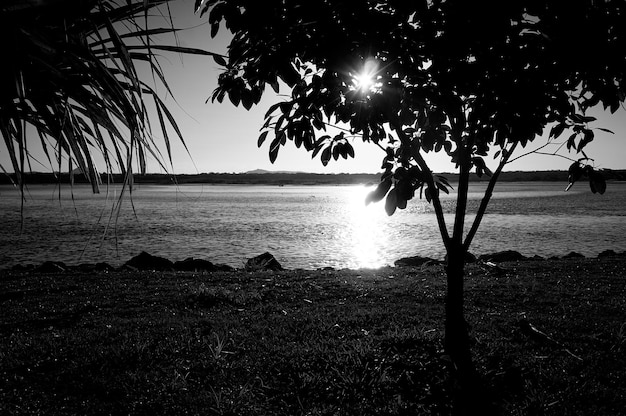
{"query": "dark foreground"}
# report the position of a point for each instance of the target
(310, 342)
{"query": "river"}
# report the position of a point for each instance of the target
(303, 226)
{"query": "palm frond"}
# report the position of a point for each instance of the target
(73, 75)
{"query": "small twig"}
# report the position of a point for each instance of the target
(530, 330)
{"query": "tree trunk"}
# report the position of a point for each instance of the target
(469, 395)
(456, 340)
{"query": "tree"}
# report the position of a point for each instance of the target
(73, 78)
(426, 76)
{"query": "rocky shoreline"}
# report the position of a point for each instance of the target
(266, 261)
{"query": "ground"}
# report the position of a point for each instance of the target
(549, 339)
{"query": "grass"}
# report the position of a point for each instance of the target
(361, 342)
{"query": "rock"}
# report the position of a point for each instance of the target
(607, 253)
(573, 255)
(194, 265)
(265, 261)
(502, 256)
(51, 267)
(145, 261)
(414, 261)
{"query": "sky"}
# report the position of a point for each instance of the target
(223, 138)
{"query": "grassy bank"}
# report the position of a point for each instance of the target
(310, 342)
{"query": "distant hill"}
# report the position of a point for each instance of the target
(270, 172)
(263, 177)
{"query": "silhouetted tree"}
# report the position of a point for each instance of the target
(70, 76)
(414, 77)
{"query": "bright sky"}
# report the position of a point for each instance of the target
(223, 138)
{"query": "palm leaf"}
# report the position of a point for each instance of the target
(73, 76)
(137, 34)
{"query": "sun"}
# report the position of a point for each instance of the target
(365, 79)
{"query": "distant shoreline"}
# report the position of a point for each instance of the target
(282, 178)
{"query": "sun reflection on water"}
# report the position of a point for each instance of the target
(366, 230)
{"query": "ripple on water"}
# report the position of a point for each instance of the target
(303, 226)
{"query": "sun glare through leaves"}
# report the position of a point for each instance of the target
(365, 80)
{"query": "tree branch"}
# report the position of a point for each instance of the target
(461, 199)
(441, 222)
(486, 198)
(537, 152)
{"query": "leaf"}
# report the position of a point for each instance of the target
(177, 49)
(344, 150)
(298, 140)
(326, 156)
(378, 193)
(274, 85)
(272, 108)
(274, 148)
(557, 130)
(442, 187)
(164, 130)
(597, 183)
(391, 203)
(587, 138)
(481, 167)
(285, 107)
(205, 8)
(247, 99)
(308, 139)
(171, 119)
(575, 171)
(219, 59)
(319, 145)
(234, 97)
(279, 124)
(289, 75)
(262, 138)
(136, 34)
(390, 154)
(571, 141)
(197, 5)
(336, 150)
(443, 180)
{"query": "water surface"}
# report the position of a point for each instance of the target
(303, 226)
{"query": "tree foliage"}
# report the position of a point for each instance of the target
(72, 77)
(456, 76)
